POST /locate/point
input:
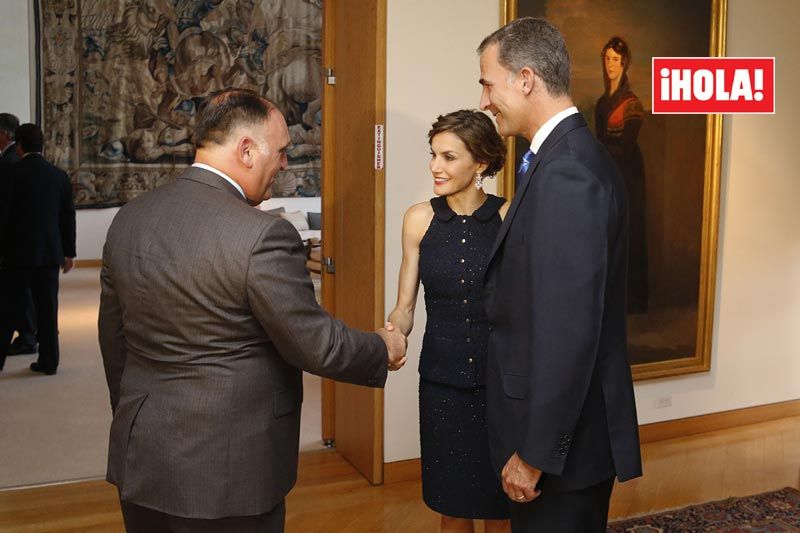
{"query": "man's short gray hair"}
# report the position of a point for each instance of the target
(534, 43)
(223, 111)
(9, 123)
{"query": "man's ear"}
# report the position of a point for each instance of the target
(529, 79)
(245, 151)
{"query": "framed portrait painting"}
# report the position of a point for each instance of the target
(670, 163)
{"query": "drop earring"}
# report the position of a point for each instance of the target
(478, 181)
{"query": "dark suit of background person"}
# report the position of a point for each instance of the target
(38, 237)
(559, 387)
(8, 156)
(207, 317)
(25, 342)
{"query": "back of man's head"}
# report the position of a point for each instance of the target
(8, 124)
(30, 138)
(537, 44)
(225, 111)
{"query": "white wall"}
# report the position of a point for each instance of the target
(15, 79)
(91, 226)
(432, 69)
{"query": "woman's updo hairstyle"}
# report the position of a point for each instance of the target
(477, 132)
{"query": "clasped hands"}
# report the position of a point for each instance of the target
(396, 345)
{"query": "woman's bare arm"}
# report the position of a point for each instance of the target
(415, 224)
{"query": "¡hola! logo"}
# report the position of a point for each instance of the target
(713, 85)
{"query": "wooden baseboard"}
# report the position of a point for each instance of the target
(411, 469)
(694, 425)
(397, 471)
(88, 263)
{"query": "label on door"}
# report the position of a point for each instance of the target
(379, 147)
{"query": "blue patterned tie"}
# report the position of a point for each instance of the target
(525, 163)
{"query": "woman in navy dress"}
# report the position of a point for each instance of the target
(446, 245)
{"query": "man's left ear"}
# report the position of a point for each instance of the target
(528, 78)
(245, 149)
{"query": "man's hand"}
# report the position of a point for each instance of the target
(520, 480)
(69, 262)
(396, 344)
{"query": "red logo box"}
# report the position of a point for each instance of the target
(695, 85)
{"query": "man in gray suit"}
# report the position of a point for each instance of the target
(207, 317)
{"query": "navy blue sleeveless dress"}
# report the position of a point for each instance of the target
(457, 477)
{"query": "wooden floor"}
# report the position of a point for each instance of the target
(331, 497)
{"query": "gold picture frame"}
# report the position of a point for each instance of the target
(704, 234)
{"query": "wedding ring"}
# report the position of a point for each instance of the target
(521, 497)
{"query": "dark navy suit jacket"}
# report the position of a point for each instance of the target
(37, 216)
(7, 161)
(559, 388)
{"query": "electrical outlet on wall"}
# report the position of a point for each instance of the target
(662, 402)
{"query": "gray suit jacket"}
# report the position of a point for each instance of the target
(207, 317)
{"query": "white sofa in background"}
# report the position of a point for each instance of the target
(296, 211)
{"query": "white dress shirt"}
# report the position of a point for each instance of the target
(222, 175)
(548, 127)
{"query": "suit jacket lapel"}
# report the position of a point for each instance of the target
(565, 126)
(522, 186)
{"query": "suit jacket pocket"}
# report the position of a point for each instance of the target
(287, 401)
(515, 386)
(121, 426)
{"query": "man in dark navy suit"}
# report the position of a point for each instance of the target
(36, 239)
(25, 343)
(560, 405)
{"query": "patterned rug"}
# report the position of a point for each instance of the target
(772, 512)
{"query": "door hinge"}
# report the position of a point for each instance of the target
(330, 77)
(329, 265)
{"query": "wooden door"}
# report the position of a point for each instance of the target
(353, 211)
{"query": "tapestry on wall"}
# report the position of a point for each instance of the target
(121, 82)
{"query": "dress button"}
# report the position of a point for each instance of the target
(462, 281)
(469, 340)
(462, 260)
(469, 360)
(465, 301)
(463, 220)
(463, 241)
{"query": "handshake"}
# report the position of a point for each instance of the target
(396, 345)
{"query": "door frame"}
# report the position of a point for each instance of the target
(375, 12)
